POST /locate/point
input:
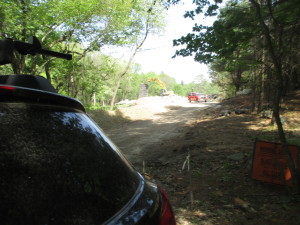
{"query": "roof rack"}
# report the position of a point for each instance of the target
(7, 47)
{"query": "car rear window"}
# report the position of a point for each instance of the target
(57, 167)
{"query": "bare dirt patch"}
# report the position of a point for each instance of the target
(203, 159)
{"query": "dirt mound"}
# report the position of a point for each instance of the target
(238, 102)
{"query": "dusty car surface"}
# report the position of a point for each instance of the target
(57, 166)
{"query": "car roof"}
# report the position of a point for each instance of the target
(35, 89)
(27, 81)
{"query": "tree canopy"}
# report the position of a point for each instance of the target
(82, 28)
(253, 44)
(240, 43)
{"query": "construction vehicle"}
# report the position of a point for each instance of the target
(164, 91)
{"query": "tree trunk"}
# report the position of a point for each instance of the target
(94, 99)
(276, 59)
(112, 102)
(138, 46)
(48, 75)
(18, 63)
(260, 92)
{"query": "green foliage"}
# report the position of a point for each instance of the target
(236, 45)
(88, 78)
(5, 70)
(231, 31)
(130, 86)
(81, 28)
(170, 82)
(155, 89)
(204, 87)
(179, 89)
(61, 23)
(226, 43)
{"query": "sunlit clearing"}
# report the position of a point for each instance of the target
(199, 213)
(189, 217)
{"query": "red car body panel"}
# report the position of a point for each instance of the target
(197, 97)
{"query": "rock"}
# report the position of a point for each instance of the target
(241, 111)
(225, 113)
(245, 206)
(239, 203)
(283, 119)
(247, 91)
(126, 101)
(267, 114)
(237, 157)
(228, 206)
(244, 92)
(219, 193)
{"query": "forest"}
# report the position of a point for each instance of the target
(85, 29)
(252, 44)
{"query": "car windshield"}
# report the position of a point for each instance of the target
(57, 167)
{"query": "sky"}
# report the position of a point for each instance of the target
(158, 51)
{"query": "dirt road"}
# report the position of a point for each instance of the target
(165, 132)
(155, 119)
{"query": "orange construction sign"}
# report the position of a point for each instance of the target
(270, 165)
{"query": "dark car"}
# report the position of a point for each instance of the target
(57, 167)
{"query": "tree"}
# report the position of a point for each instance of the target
(149, 18)
(273, 31)
(80, 28)
(63, 24)
(179, 89)
(170, 82)
(248, 34)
